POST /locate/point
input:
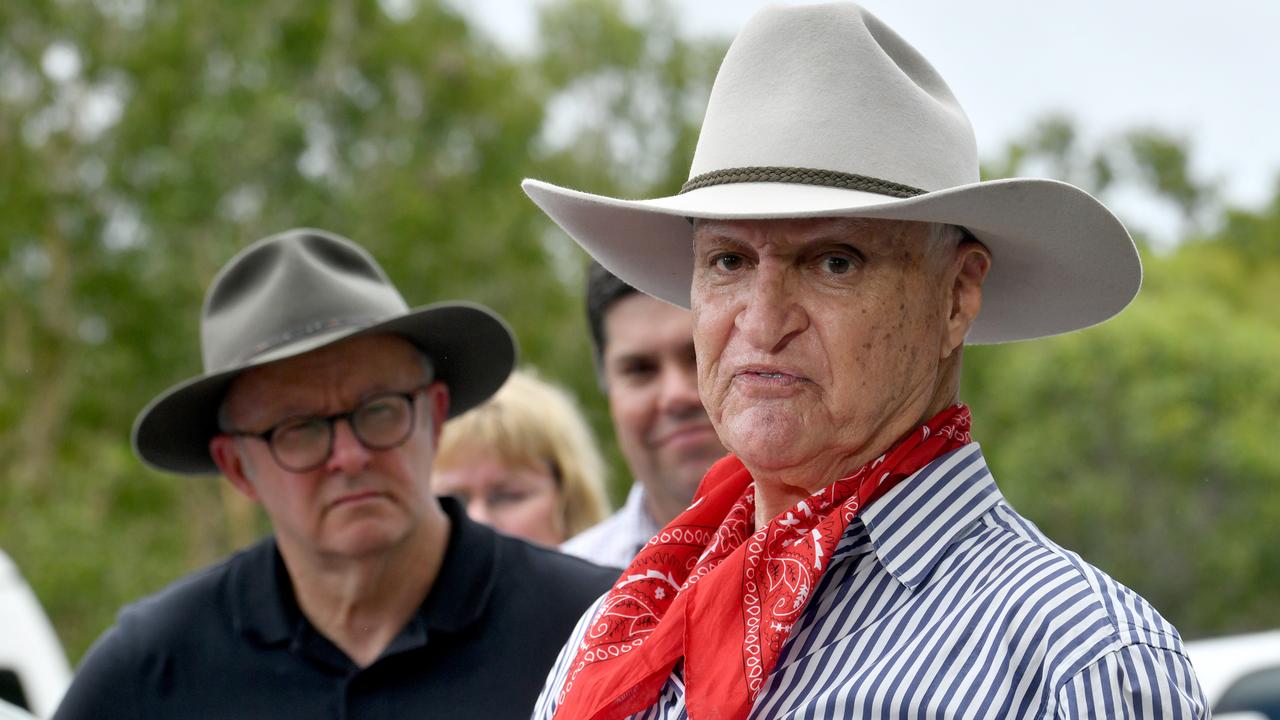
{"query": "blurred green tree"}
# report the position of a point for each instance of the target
(144, 143)
(1145, 444)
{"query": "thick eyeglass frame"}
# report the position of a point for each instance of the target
(268, 435)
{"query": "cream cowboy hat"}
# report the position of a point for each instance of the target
(299, 291)
(823, 111)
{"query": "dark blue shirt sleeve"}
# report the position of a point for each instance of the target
(106, 682)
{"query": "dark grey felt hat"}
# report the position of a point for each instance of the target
(299, 291)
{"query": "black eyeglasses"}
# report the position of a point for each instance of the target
(382, 422)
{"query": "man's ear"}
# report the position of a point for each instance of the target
(968, 271)
(226, 454)
(438, 406)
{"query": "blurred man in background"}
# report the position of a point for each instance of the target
(644, 354)
(322, 400)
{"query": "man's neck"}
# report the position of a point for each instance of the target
(780, 489)
(661, 510)
(361, 604)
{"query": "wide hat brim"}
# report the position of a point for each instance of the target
(1061, 261)
(472, 351)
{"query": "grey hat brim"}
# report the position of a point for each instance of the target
(472, 349)
(1061, 260)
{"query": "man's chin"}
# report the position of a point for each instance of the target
(366, 537)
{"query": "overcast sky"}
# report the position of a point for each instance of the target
(1209, 72)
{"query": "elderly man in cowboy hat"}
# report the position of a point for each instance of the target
(853, 557)
(322, 400)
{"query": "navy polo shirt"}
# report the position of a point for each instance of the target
(231, 642)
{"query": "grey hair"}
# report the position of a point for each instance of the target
(428, 366)
(943, 239)
(945, 234)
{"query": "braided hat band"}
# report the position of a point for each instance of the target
(801, 176)
(830, 86)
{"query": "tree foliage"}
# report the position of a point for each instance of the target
(1145, 444)
(144, 143)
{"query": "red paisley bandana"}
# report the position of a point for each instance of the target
(711, 589)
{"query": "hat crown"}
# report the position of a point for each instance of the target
(831, 87)
(288, 287)
(823, 111)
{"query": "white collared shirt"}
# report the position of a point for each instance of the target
(615, 540)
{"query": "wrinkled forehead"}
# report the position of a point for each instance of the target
(337, 374)
(786, 232)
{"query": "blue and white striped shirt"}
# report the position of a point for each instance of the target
(942, 602)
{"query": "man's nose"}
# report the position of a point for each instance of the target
(349, 455)
(770, 317)
(678, 392)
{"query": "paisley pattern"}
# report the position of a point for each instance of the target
(721, 595)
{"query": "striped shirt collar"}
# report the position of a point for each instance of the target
(911, 527)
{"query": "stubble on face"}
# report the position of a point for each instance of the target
(341, 508)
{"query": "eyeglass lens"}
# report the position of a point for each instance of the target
(381, 423)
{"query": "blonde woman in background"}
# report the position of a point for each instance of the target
(524, 462)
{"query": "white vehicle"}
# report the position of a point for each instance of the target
(1240, 674)
(13, 712)
(33, 668)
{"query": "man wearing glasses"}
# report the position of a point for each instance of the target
(322, 401)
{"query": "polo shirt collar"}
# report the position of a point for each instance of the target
(462, 590)
(264, 607)
(261, 595)
(914, 524)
